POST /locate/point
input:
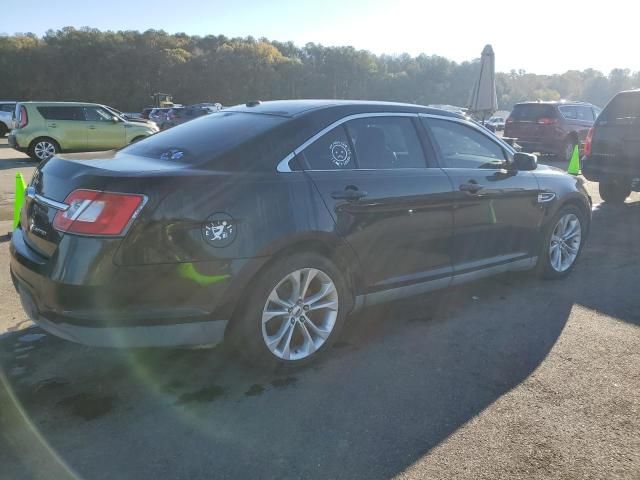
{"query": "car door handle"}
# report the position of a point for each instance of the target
(52, 125)
(91, 127)
(349, 194)
(470, 187)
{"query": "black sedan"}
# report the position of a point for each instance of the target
(268, 223)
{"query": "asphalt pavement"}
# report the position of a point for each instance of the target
(511, 377)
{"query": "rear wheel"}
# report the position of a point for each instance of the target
(615, 192)
(43, 148)
(294, 313)
(3, 130)
(137, 139)
(563, 242)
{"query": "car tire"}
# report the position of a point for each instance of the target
(137, 139)
(614, 192)
(567, 149)
(3, 130)
(303, 330)
(562, 243)
(43, 148)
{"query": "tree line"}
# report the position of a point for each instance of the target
(124, 68)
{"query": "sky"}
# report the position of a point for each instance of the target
(540, 36)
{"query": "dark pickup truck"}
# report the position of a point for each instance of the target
(612, 148)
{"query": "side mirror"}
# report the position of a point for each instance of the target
(525, 161)
(115, 119)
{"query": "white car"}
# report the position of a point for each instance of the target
(7, 107)
(497, 123)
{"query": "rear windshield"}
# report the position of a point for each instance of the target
(622, 106)
(205, 138)
(531, 112)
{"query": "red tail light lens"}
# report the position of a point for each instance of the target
(24, 118)
(92, 212)
(547, 121)
(587, 142)
(509, 120)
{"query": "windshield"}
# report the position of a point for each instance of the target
(319, 240)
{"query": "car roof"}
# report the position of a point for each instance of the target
(54, 104)
(294, 108)
(553, 102)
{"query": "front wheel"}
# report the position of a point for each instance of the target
(295, 312)
(615, 192)
(563, 243)
(3, 130)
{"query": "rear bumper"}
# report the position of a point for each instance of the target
(599, 168)
(13, 143)
(90, 300)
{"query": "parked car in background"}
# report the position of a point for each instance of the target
(46, 128)
(7, 108)
(158, 115)
(612, 149)
(128, 117)
(551, 127)
(178, 115)
(350, 204)
(145, 113)
(496, 124)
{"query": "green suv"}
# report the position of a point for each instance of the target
(43, 129)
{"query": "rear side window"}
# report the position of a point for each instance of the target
(386, 142)
(332, 151)
(531, 112)
(7, 107)
(623, 106)
(577, 112)
(62, 113)
(569, 112)
(205, 138)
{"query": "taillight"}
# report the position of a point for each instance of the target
(547, 121)
(509, 120)
(24, 118)
(587, 142)
(92, 212)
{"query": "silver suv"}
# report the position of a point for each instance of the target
(7, 108)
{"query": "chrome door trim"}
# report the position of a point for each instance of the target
(283, 165)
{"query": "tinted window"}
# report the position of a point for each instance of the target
(531, 112)
(585, 113)
(623, 106)
(7, 107)
(386, 142)
(204, 138)
(462, 146)
(332, 151)
(62, 113)
(569, 112)
(97, 114)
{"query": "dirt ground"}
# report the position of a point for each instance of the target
(511, 377)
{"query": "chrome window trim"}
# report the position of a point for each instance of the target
(283, 165)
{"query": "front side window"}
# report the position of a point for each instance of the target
(332, 151)
(385, 143)
(585, 114)
(97, 114)
(462, 146)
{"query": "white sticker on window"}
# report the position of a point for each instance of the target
(340, 153)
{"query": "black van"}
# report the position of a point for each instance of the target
(612, 148)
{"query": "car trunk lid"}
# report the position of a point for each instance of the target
(530, 121)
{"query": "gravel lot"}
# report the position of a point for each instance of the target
(510, 377)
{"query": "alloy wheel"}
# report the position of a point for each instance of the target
(565, 242)
(300, 314)
(44, 149)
